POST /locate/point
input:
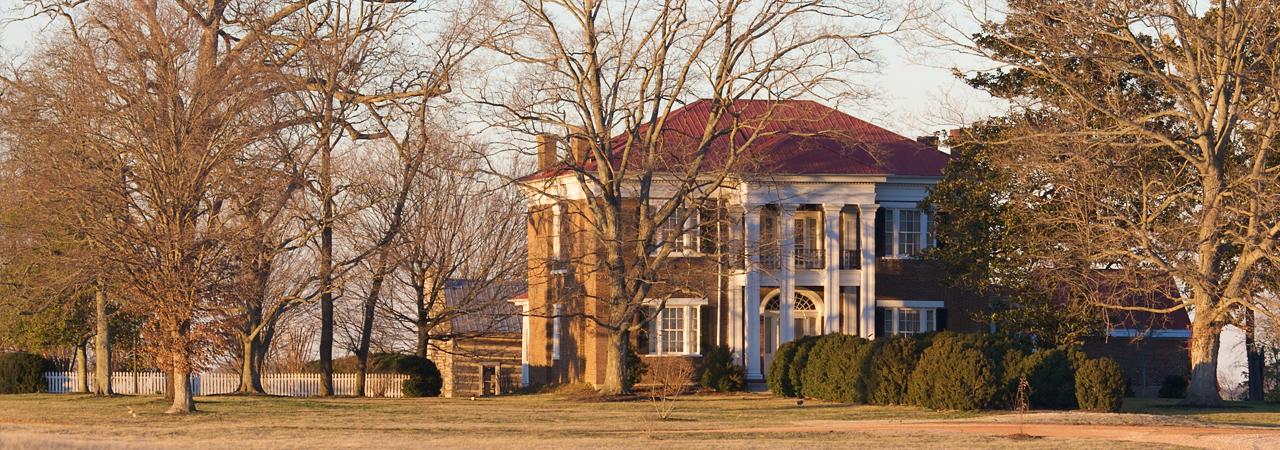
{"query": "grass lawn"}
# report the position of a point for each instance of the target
(540, 421)
(1234, 413)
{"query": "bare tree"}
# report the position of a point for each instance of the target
(177, 92)
(371, 77)
(608, 73)
(462, 249)
(1147, 131)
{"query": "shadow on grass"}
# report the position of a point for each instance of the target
(1231, 413)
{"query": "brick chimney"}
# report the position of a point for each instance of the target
(547, 151)
(577, 145)
(928, 141)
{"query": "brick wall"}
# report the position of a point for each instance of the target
(692, 365)
(913, 279)
(1146, 362)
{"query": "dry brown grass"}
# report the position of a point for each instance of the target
(541, 420)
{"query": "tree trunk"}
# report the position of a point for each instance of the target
(1203, 390)
(424, 333)
(101, 344)
(265, 338)
(366, 324)
(423, 319)
(253, 330)
(250, 367)
(326, 272)
(615, 372)
(1253, 356)
(82, 366)
(183, 403)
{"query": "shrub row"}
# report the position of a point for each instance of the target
(719, 373)
(22, 373)
(942, 371)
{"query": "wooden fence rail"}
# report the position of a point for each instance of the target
(210, 383)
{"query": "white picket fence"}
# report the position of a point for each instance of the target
(283, 384)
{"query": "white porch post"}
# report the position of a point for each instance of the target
(524, 342)
(867, 293)
(831, 285)
(752, 300)
(737, 281)
(787, 276)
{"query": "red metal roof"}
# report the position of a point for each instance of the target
(789, 137)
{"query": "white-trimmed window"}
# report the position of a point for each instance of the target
(808, 240)
(680, 231)
(557, 228)
(905, 231)
(675, 329)
(909, 320)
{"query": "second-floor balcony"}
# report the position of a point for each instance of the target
(812, 259)
(850, 260)
(808, 259)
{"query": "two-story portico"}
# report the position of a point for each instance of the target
(812, 257)
(820, 236)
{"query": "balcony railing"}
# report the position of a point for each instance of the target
(850, 259)
(770, 261)
(807, 258)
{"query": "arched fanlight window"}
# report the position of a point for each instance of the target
(802, 303)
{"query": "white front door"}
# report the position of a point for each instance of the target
(770, 331)
(806, 321)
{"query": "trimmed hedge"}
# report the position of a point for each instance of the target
(23, 373)
(424, 377)
(835, 368)
(719, 373)
(788, 361)
(1100, 385)
(941, 371)
(954, 374)
(1052, 378)
(636, 367)
(892, 361)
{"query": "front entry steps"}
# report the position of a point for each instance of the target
(757, 386)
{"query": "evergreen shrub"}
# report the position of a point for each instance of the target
(1100, 385)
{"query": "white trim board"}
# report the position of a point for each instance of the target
(1154, 334)
(681, 301)
(910, 304)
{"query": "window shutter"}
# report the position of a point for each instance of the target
(695, 326)
(880, 312)
(707, 226)
(881, 236)
(941, 316)
(655, 332)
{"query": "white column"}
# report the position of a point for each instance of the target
(752, 301)
(787, 276)
(867, 293)
(831, 285)
(733, 318)
(734, 311)
(524, 342)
